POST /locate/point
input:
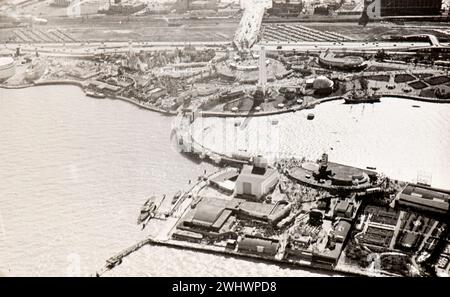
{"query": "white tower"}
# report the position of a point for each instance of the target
(262, 70)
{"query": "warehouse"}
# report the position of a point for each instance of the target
(257, 245)
(425, 198)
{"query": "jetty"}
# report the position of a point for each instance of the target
(117, 259)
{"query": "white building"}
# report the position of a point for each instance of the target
(7, 68)
(257, 180)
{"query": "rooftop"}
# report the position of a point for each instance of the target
(426, 197)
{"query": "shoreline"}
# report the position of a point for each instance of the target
(80, 85)
(221, 114)
(343, 270)
(197, 150)
(206, 249)
(339, 269)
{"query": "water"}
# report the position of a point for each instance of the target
(401, 141)
(74, 172)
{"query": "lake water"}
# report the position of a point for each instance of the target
(74, 172)
(400, 140)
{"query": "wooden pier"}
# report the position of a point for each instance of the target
(117, 259)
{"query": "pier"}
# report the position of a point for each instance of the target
(117, 259)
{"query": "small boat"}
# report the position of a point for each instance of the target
(147, 209)
(416, 106)
(371, 168)
(146, 222)
(310, 116)
(95, 94)
(176, 197)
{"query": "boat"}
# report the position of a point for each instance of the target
(416, 106)
(146, 222)
(147, 210)
(95, 94)
(355, 98)
(373, 99)
(371, 168)
(176, 197)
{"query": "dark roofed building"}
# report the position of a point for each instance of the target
(258, 246)
(409, 240)
(208, 215)
(425, 198)
(344, 209)
(410, 7)
(341, 230)
(328, 258)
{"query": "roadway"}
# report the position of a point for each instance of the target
(91, 48)
(122, 46)
(342, 46)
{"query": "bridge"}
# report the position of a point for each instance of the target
(250, 25)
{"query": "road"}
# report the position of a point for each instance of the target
(89, 49)
(342, 46)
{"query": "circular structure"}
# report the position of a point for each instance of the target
(7, 68)
(333, 176)
(343, 62)
(342, 175)
(245, 70)
(310, 166)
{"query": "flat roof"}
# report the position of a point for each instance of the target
(206, 214)
(342, 228)
(260, 245)
(261, 209)
(426, 196)
(188, 234)
(222, 219)
(249, 170)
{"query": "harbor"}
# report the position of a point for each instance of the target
(194, 137)
(194, 224)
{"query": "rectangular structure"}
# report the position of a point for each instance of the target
(410, 7)
(425, 198)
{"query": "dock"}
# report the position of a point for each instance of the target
(117, 259)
